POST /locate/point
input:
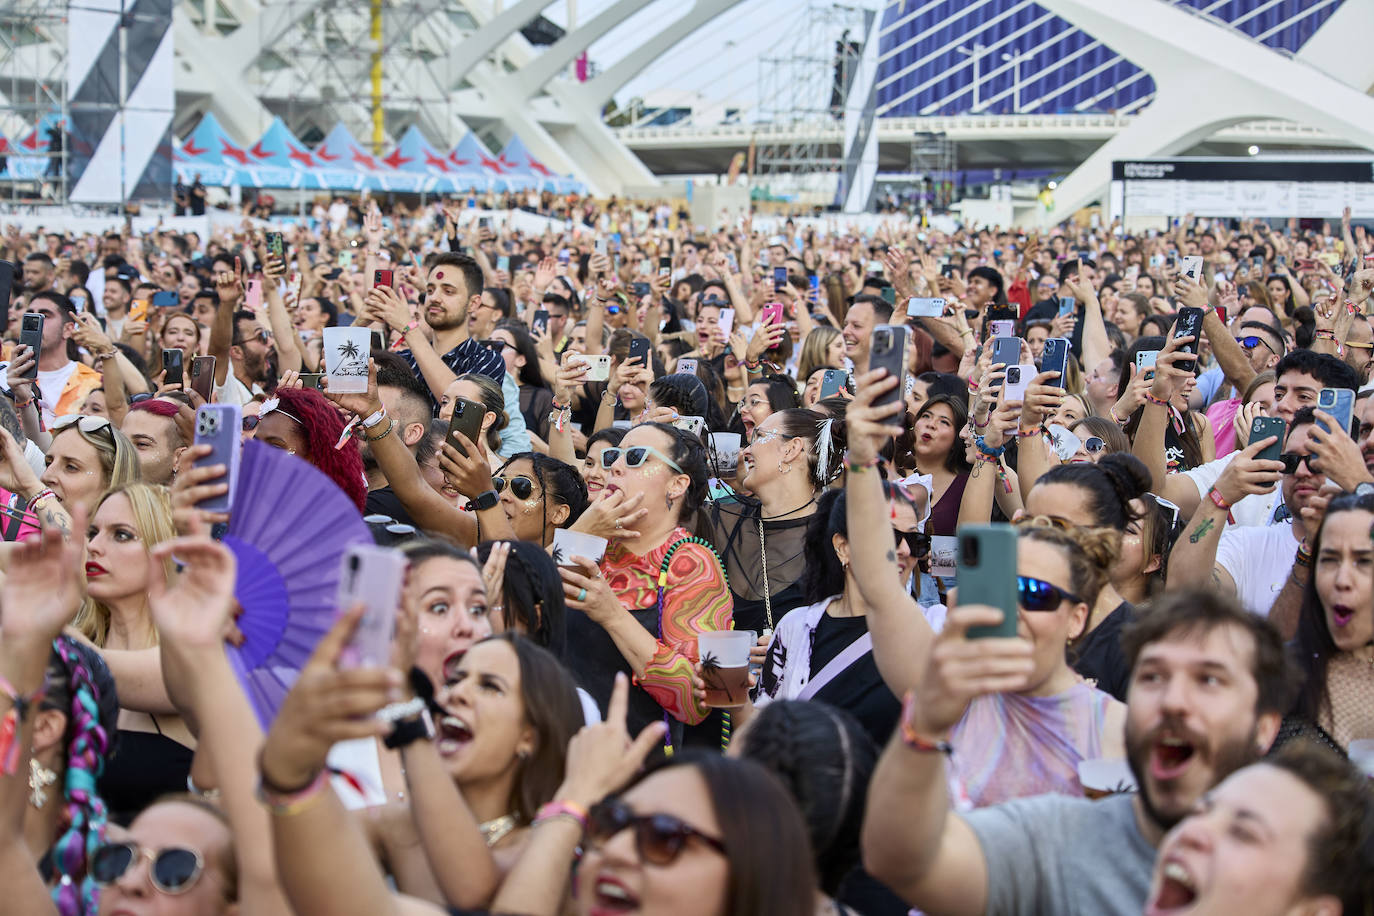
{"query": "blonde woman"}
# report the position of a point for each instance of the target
(822, 349)
(154, 746)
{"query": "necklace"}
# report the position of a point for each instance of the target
(763, 558)
(498, 828)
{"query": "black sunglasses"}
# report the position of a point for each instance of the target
(260, 335)
(250, 423)
(1291, 460)
(1039, 595)
(918, 541)
(1250, 341)
(174, 869)
(521, 487)
(659, 838)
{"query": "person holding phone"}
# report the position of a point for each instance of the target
(627, 614)
(1188, 439)
(1036, 743)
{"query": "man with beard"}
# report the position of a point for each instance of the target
(1252, 562)
(1210, 683)
(405, 399)
(453, 288)
(39, 273)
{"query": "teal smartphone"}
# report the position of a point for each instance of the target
(987, 574)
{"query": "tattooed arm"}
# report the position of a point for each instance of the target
(17, 477)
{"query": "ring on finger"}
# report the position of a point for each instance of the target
(582, 594)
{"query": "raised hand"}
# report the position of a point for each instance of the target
(44, 586)
(194, 610)
(601, 757)
(961, 669)
(869, 426)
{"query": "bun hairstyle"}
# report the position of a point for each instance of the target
(493, 401)
(1091, 552)
(1113, 485)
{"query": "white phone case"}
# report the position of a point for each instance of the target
(371, 576)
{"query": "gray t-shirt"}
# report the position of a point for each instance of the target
(1061, 855)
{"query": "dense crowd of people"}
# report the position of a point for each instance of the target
(801, 571)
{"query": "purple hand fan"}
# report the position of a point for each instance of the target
(289, 527)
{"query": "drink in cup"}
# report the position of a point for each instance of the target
(724, 656)
(1103, 776)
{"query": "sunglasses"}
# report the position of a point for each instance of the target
(1291, 460)
(1039, 595)
(635, 456)
(1094, 444)
(917, 541)
(659, 838)
(521, 487)
(496, 346)
(250, 423)
(1249, 342)
(260, 335)
(86, 424)
(173, 870)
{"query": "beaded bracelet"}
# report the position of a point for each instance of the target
(1111, 412)
(381, 435)
(858, 467)
(1156, 401)
(912, 739)
(983, 425)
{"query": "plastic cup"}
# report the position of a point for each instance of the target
(724, 656)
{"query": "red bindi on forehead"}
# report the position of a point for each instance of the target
(439, 275)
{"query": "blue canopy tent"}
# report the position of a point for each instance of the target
(471, 154)
(439, 175)
(209, 153)
(521, 162)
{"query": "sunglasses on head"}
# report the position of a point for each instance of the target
(521, 487)
(83, 422)
(1038, 595)
(173, 869)
(1291, 460)
(917, 541)
(635, 456)
(659, 838)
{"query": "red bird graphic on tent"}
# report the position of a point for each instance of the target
(491, 164)
(364, 159)
(258, 151)
(300, 156)
(436, 161)
(233, 152)
(453, 157)
(190, 148)
(539, 167)
(324, 156)
(396, 160)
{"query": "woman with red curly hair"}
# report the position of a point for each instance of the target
(300, 422)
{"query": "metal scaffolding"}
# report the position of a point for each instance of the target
(33, 99)
(934, 167)
(802, 93)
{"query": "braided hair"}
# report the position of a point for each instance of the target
(559, 481)
(80, 685)
(532, 594)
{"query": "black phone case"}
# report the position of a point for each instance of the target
(1055, 358)
(888, 351)
(640, 347)
(31, 335)
(175, 365)
(1189, 325)
(466, 419)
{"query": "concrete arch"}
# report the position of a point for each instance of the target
(531, 79)
(1208, 77)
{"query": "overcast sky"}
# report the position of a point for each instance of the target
(721, 59)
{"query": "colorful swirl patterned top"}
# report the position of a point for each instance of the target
(695, 598)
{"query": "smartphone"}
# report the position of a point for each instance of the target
(138, 310)
(173, 362)
(6, 285)
(1340, 403)
(220, 426)
(1221, 313)
(771, 313)
(1068, 305)
(1006, 350)
(276, 246)
(693, 425)
(564, 256)
(1146, 359)
(1018, 380)
(540, 325)
(727, 322)
(311, 380)
(665, 266)
(685, 366)
(484, 223)
(925, 308)
(986, 571)
(1189, 324)
(779, 279)
(334, 274)
(1002, 313)
(949, 270)
(383, 278)
(1281, 263)
(1055, 358)
(252, 296)
(815, 283)
(1263, 428)
(887, 350)
(371, 576)
(503, 263)
(378, 341)
(640, 288)
(1191, 266)
(466, 419)
(203, 376)
(171, 299)
(600, 246)
(639, 347)
(833, 382)
(598, 367)
(31, 336)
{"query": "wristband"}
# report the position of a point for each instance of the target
(374, 418)
(984, 424)
(20, 405)
(981, 444)
(556, 809)
(1151, 399)
(381, 435)
(1217, 500)
(912, 739)
(408, 731)
(972, 385)
(210, 794)
(41, 495)
(858, 467)
(285, 804)
(1111, 411)
(1027, 433)
(1303, 557)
